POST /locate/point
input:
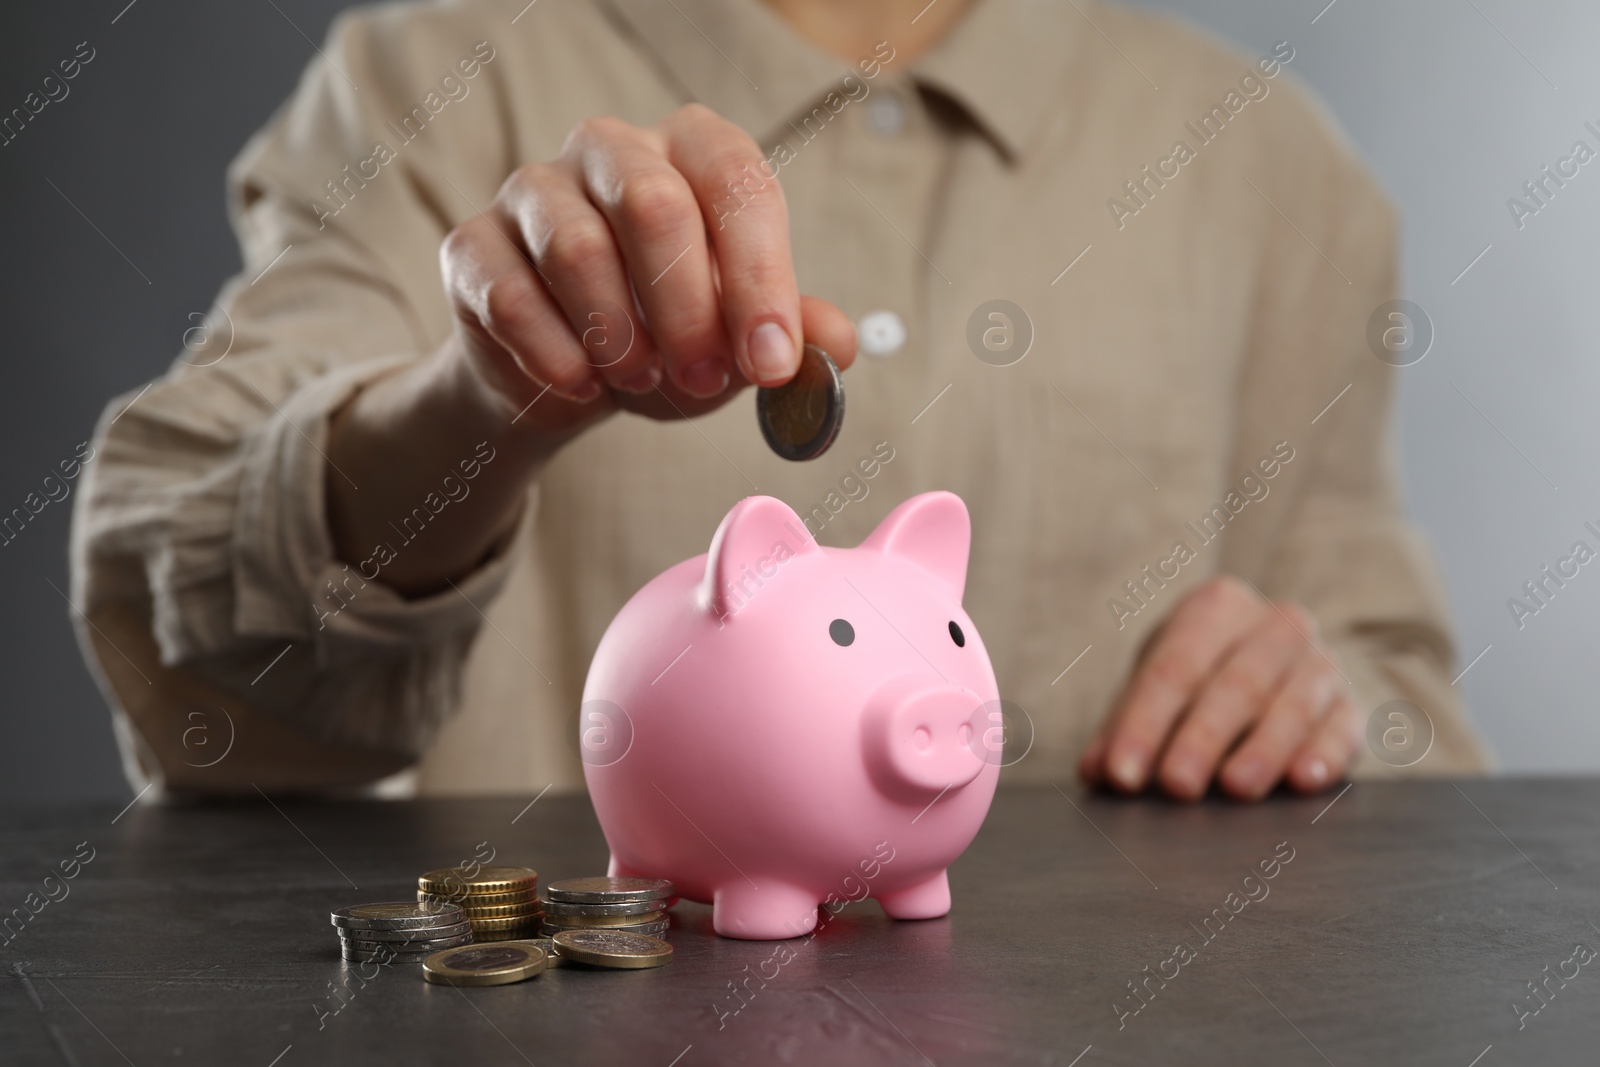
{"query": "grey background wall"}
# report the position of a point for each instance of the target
(113, 232)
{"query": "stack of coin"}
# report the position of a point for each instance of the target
(399, 932)
(501, 903)
(623, 905)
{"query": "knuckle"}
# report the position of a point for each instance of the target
(732, 172)
(1204, 735)
(1299, 708)
(462, 241)
(575, 247)
(736, 160)
(1174, 669)
(526, 177)
(653, 200)
(1242, 686)
(1225, 593)
(689, 332)
(508, 303)
(598, 128)
(697, 114)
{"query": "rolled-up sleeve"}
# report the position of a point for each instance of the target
(203, 516)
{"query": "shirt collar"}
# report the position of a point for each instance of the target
(1003, 63)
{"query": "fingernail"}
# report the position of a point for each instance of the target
(1317, 771)
(705, 379)
(640, 382)
(1127, 771)
(771, 353)
(583, 392)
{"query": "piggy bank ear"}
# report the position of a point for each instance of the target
(759, 536)
(931, 530)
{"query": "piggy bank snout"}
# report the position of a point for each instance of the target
(923, 738)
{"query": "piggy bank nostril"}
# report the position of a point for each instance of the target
(964, 734)
(922, 737)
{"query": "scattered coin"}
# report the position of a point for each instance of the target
(609, 948)
(607, 890)
(801, 418)
(399, 915)
(485, 965)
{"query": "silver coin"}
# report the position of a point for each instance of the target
(464, 937)
(397, 915)
(801, 418)
(400, 937)
(607, 890)
(399, 949)
(651, 929)
(359, 955)
(636, 907)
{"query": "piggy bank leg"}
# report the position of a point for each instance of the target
(926, 900)
(770, 913)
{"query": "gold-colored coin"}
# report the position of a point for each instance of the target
(520, 933)
(610, 948)
(484, 965)
(476, 899)
(516, 922)
(453, 881)
(528, 908)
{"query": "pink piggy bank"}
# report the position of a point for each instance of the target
(775, 725)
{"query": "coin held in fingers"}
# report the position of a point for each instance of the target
(801, 418)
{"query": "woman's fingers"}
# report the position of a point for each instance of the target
(1296, 711)
(578, 259)
(760, 297)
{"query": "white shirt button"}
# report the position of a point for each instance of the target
(885, 113)
(881, 333)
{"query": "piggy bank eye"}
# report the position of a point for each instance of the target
(957, 636)
(841, 632)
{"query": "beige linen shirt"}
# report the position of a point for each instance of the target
(1192, 268)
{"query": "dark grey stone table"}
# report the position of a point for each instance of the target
(1409, 921)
